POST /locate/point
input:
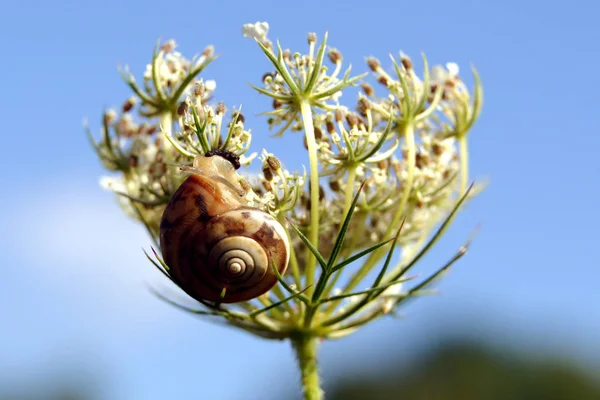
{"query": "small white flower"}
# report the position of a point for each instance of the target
(336, 96)
(440, 74)
(110, 183)
(452, 69)
(247, 159)
(258, 30)
(210, 85)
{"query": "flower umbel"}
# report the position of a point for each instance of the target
(387, 176)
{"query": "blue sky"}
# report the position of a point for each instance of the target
(74, 292)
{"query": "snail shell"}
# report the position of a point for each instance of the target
(212, 240)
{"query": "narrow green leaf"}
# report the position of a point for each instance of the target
(339, 241)
(159, 90)
(187, 309)
(408, 109)
(477, 100)
(188, 79)
(444, 185)
(286, 286)
(336, 88)
(461, 252)
(381, 141)
(367, 291)
(277, 304)
(436, 236)
(177, 146)
(287, 76)
(310, 246)
(133, 86)
(433, 277)
(363, 319)
(316, 70)
(349, 147)
(200, 131)
(281, 97)
(160, 268)
(279, 65)
(385, 154)
(221, 297)
(426, 86)
(437, 97)
(389, 257)
(231, 128)
(154, 203)
(160, 260)
(107, 141)
(355, 308)
(90, 136)
(355, 257)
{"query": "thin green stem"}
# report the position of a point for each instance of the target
(293, 259)
(306, 353)
(307, 120)
(409, 137)
(166, 123)
(349, 189)
(464, 163)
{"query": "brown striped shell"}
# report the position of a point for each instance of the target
(211, 240)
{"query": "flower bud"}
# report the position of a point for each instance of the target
(373, 63)
(437, 149)
(330, 126)
(335, 56)
(318, 133)
(383, 80)
(268, 173)
(368, 89)
(110, 116)
(129, 103)
(267, 186)
(406, 62)
(267, 77)
(352, 120)
(335, 185)
(182, 108)
(209, 51)
(274, 163)
(240, 117)
(168, 46)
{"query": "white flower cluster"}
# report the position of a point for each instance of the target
(390, 161)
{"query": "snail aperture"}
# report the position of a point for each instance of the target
(212, 240)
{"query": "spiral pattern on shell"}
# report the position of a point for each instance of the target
(211, 240)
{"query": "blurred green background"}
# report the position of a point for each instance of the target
(453, 367)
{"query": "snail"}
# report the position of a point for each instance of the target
(218, 248)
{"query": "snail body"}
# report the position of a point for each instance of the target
(214, 243)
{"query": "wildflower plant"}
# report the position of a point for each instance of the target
(386, 177)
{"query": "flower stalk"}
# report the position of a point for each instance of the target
(305, 347)
(314, 187)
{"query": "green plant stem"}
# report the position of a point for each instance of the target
(464, 163)
(349, 189)
(314, 191)
(293, 259)
(409, 137)
(166, 123)
(306, 353)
